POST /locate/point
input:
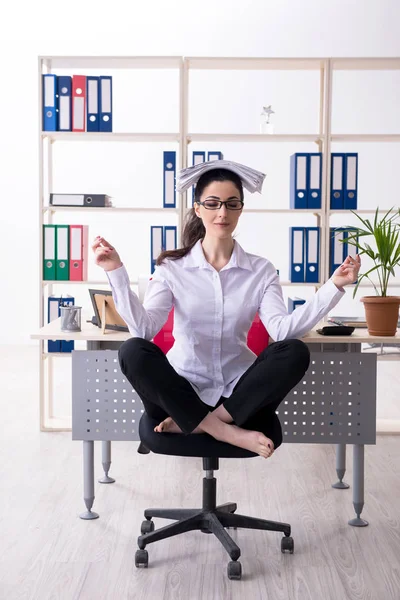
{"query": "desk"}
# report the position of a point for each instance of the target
(94, 339)
(335, 361)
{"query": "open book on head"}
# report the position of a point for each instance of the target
(251, 179)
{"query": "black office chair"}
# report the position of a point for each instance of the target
(210, 518)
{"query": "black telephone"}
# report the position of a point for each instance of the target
(336, 330)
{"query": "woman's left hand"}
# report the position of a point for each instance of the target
(347, 273)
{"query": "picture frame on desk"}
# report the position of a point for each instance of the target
(106, 315)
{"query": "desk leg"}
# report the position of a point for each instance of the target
(106, 462)
(340, 467)
(88, 480)
(358, 485)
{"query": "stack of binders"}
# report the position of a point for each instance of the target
(304, 254)
(65, 252)
(344, 180)
(305, 180)
(78, 103)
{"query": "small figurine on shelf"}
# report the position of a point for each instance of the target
(265, 125)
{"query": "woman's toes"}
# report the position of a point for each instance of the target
(270, 445)
(267, 448)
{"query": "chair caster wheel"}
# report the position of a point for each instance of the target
(234, 569)
(287, 545)
(141, 558)
(146, 527)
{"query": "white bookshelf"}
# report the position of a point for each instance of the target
(323, 139)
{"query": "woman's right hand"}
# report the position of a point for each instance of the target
(106, 255)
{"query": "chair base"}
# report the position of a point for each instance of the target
(207, 521)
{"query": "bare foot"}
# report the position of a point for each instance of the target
(255, 441)
(169, 426)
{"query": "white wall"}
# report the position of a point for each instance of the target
(208, 28)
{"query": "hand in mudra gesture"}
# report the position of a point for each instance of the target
(106, 255)
(347, 273)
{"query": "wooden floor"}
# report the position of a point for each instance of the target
(46, 551)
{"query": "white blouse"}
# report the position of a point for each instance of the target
(213, 312)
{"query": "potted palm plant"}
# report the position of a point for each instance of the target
(381, 310)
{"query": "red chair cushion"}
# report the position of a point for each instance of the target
(164, 338)
(257, 338)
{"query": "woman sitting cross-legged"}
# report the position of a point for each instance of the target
(210, 381)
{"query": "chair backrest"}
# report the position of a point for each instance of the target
(257, 338)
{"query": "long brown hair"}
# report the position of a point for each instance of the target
(193, 228)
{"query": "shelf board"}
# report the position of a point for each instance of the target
(91, 282)
(112, 62)
(392, 284)
(365, 137)
(240, 63)
(132, 282)
(362, 211)
(253, 137)
(73, 136)
(53, 424)
(362, 285)
(365, 64)
(283, 210)
(94, 282)
(56, 354)
(253, 64)
(107, 209)
(388, 426)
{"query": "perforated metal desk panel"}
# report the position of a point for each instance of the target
(334, 403)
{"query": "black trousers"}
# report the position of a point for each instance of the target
(252, 403)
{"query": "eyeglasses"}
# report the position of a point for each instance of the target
(217, 204)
